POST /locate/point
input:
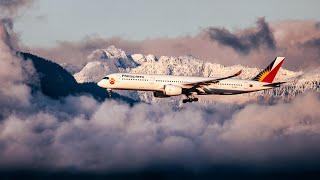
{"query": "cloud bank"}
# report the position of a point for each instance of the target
(112, 136)
(14, 74)
(253, 46)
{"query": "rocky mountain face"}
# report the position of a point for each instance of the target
(55, 82)
(112, 60)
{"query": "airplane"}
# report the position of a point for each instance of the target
(168, 85)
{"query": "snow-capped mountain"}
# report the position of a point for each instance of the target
(105, 61)
(111, 60)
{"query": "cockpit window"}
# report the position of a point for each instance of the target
(106, 77)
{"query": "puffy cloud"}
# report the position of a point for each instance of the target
(278, 120)
(114, 136)
(11, 68)
(13, 73)
(247, 41)
(12, 7)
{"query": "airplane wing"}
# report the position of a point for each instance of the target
(207, 82)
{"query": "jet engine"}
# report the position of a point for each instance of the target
(171, 90)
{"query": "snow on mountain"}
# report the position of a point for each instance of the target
(111, 60)
(140, 58)
(104, 61)
(110, 53)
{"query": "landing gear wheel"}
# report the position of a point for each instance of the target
(185, 100)
(190, 100)
(109, 92)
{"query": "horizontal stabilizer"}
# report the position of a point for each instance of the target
(277, 84)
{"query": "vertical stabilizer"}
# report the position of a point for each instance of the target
(269, 73)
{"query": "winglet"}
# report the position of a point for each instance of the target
(238, 73)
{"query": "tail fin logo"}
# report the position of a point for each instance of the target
(268, 74)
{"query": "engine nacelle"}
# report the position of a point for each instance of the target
(171, 90)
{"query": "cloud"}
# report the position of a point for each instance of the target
(313, 43)
(13, 74)
(247, 41)
(112, 136)
(9, 10)
(253, 46)
(12, 7)
(10, 38)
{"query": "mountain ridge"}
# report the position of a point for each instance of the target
(55, 82)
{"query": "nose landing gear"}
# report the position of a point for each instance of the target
(109, 92)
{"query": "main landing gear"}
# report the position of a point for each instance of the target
(190, 98)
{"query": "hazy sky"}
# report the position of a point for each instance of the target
(49, 21)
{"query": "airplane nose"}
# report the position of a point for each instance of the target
(102, 83)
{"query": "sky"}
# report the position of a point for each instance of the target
(47, 21)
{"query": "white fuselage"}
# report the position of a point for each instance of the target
(143, 82)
